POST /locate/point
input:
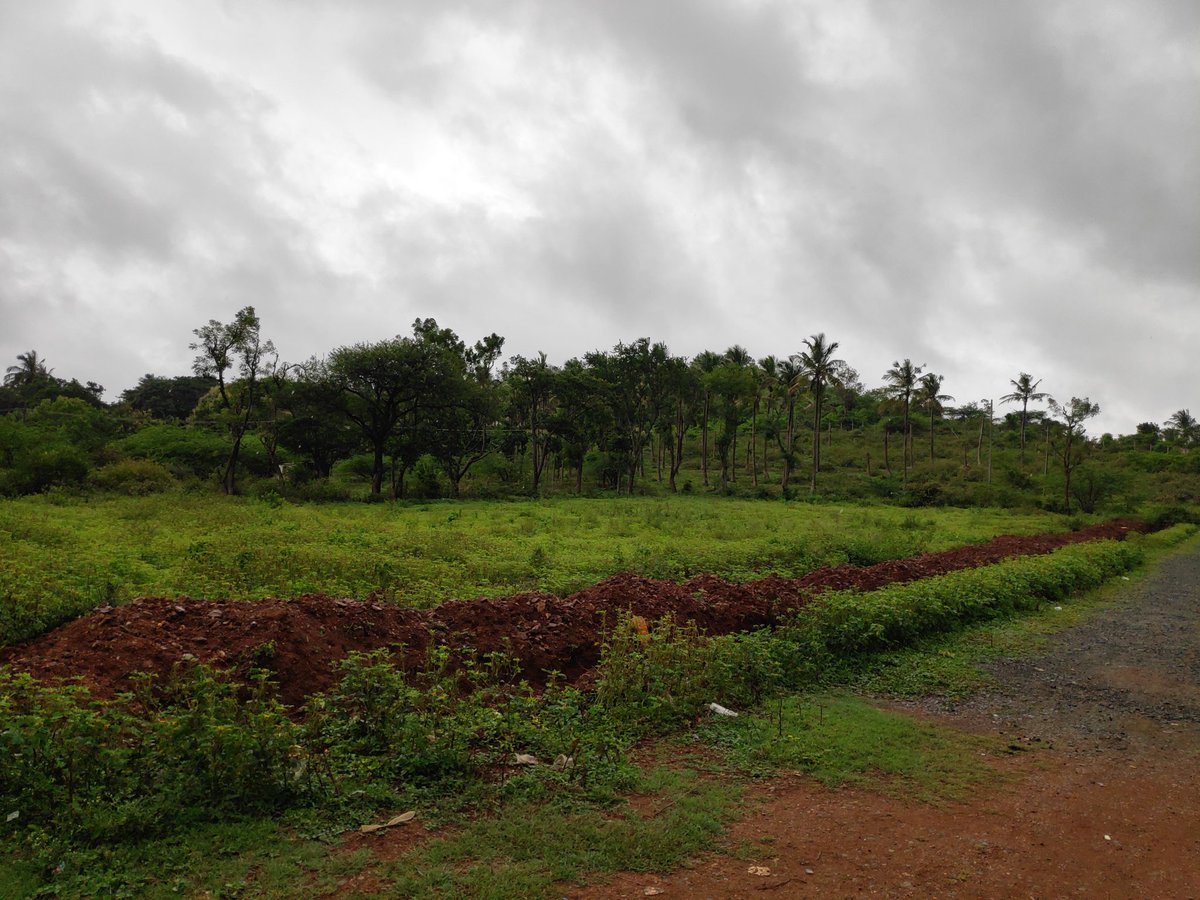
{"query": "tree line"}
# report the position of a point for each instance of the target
(429, 398)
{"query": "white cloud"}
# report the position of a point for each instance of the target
(985, 188)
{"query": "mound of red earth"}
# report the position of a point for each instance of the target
(302, 639)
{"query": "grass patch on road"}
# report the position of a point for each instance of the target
(527, 848)
(839, 739)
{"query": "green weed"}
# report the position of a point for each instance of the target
(528, 848)
(840, 740)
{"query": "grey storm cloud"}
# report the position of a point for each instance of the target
(987, 188)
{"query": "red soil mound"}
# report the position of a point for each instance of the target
(302, 639)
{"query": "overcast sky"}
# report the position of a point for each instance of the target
(984, 187)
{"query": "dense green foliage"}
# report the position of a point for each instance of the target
(430, 415)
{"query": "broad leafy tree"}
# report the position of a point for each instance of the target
(462, 423)
(382, 383)
(532, 383)
(167, 399)
(1072, 417)
(220, 346)
(317, 428)
(581, 415)
(729, 387)
(633, 376)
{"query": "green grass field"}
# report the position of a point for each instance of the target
(60, 558)
(495, 830)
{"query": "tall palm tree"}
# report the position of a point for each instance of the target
(32, 368)
(901, 381)
(1025, 390)
(929, 395)
(768, 368)
(740, 357)
(704, 362)
(1185, 427)
(791, 382)
(821, 370)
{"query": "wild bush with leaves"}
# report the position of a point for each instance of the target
(97, 770)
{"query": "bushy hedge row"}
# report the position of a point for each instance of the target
(848, 622)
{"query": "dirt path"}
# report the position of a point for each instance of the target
(1109, 808)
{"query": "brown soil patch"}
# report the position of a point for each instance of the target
(1099, 827)
(302, 639)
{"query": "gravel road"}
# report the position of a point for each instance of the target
(1127, 679)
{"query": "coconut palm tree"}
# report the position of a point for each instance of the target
(32, 369)
(791, 383)
(768, 368)
(901, 381)
(704, 362)
(740, 357)
(930, 397)
(1025, 390)
(820, 368)
(1185, 426)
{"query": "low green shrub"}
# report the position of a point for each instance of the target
(94, 770)
(846, 622)
(133, 477)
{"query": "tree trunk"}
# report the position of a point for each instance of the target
(816, 451)
(377, 470)
(1024, 412)
(733, 465)
(229, 476)
(754, 443)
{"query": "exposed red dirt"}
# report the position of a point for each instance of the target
(1105, 826)
(310, 634)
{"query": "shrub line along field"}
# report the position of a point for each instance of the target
(300, 641)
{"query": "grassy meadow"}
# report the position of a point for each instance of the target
(61, 556)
